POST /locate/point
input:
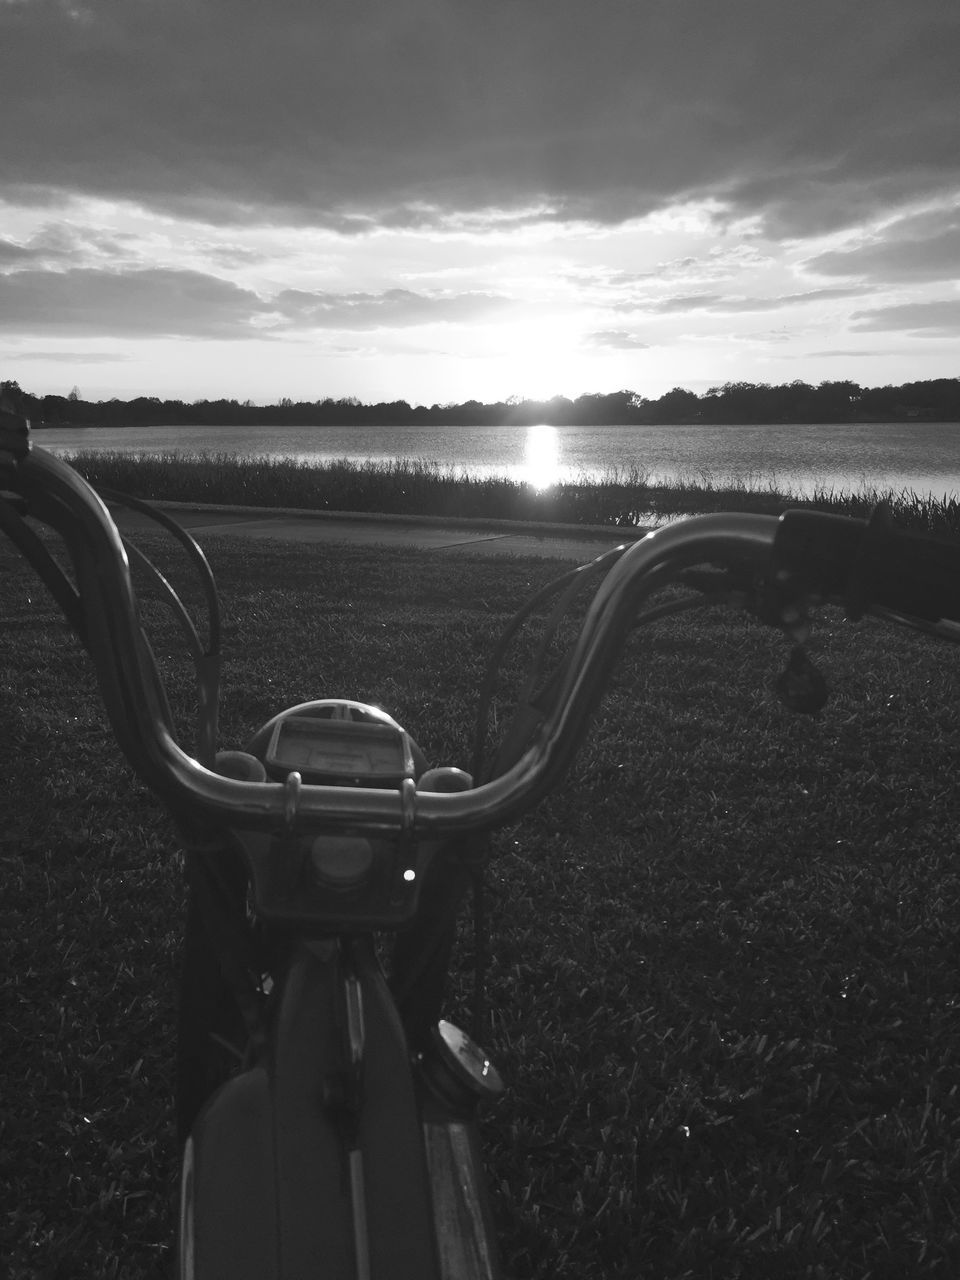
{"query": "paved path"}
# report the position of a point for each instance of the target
(450, 537)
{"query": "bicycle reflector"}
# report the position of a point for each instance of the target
(341, 862)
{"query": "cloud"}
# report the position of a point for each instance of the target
(789, 299)
(722, 262)
(849, 353)
(58, 244)
(618, 339)
(937, 319)
(183, 303)
(11, 252)
(680, 304)
(68, 357)
(130, 304)
(677, 304)
(418, 115)
(394, 308)
(925, 246)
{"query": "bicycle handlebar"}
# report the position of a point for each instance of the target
(872, 564)
(838, 557)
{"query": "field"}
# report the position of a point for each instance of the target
(724, 979)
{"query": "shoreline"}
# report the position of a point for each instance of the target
(871, 420)
(624, 500)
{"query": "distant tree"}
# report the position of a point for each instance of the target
(676, 405)
(836, 401)
(11, 397)
(880, 402)
(619, 407)
(396, 411)
(588, 407)
(844, 390)
(938, 398)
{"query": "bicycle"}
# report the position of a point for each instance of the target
(330, 830)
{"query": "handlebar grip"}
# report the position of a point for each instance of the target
(14, 434)
(872, 563)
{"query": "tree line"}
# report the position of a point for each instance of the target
(936, 400)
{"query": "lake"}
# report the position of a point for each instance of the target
(919, 456)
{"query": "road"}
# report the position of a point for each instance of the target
(447, 536)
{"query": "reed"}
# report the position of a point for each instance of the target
(623, 496)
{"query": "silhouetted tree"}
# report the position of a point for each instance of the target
(733, 402)
(676, 405)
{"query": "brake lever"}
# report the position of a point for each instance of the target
(800, 685)
(779, 601)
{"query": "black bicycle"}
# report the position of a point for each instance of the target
(326, 1108)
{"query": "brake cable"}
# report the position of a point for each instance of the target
(565, 580)
(206, 658)
(535, 706)
(29, 544)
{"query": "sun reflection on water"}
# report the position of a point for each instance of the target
(541, 457)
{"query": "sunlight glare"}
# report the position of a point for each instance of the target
(541, 457)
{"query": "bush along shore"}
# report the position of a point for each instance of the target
(628, 497)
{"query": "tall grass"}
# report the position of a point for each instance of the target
(628, 496)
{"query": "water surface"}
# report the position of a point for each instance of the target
(920, 456)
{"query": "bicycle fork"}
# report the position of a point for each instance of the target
(452, 1077)
(334, 1151)
(343, 1093)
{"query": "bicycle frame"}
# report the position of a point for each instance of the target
(349, 1136)
(285, 1167)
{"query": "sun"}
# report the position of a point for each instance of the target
(540, 358)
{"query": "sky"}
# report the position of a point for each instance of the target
(443, 200)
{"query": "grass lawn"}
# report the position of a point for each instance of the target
(724, 985)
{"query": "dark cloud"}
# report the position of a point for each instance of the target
(13, 253)
(923, 247)
(937, 319)
(182, 303)
(370, 113)
(394, 308)
(129, 304)
(63, 243)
